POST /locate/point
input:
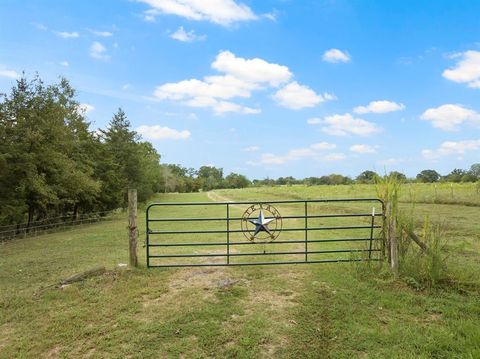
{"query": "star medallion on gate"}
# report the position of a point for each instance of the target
(261, 222)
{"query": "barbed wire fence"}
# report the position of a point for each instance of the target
(54, 224)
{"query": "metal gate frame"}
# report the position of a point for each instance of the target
(227, 231)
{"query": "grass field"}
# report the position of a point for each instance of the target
(288, 311)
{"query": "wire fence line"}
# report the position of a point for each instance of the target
(54, 224)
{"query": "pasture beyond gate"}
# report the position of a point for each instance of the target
(264, 233)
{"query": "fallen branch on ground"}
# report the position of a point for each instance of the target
(84, 275)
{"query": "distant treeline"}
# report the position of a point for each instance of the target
(180, 179)
(53, 165)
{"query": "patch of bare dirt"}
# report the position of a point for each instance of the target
(204, 281)
(54, 352)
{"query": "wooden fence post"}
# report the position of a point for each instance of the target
(132, 227)
(392, 240)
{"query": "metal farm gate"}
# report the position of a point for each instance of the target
(261, 233)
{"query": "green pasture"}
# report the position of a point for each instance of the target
(344, 310)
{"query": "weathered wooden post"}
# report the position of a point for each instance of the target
(392, 239)
(132, 227)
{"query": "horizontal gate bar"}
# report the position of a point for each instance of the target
(283, 230)
(266, 202)
(274, 242)
(259, 253)
(240, 218)
(265, 263)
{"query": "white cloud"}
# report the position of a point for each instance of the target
(222, 12)
(466, 70)
(449, 117)
(342, 125)
(314, 151)
(64, 63)
(382, 106)
(157, 132)
(11, 74)
(251, 149)
(452, 148)
(101, 33)
(67, 35)
(187, 36)
(221, 107)
(240, 77)
(85, 108)
(336, 56)
(362, 149)
(295, 96)
(98, 51)
(251, 70)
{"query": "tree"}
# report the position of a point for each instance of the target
(428, 176)
(398, 176)
(210, 177)
(44, 152)
(235, 180)
(367, 177)
(455, 176)
(475, 171)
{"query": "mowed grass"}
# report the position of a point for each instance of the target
(285, 311)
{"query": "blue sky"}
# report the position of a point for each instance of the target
(267, 88)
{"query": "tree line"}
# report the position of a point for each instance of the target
(180, 179)
(52, 164)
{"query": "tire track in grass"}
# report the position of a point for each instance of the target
(274, 295)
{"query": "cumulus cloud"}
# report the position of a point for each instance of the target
(186, 36)
(452, 148)
(239, 78)
(362, 149)
(346, 124)
(315, 151)
(222, 12)
(64, 63)
(295, 96)
(251, 70)
(11, 74)
(449, 117)
(67, 35)
(158, 132)
(382, 106)
(466, 70)
(98, 51)
(336, 56)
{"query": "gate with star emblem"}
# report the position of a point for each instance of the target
(264, 232)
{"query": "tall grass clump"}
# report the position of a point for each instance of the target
(419, 246)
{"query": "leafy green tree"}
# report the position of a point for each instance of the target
(367, 177)
(44, 152)
(428, 176)
(398, 176)
(210, 177)
(235, 180)
(475, 171)
(455, 176)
